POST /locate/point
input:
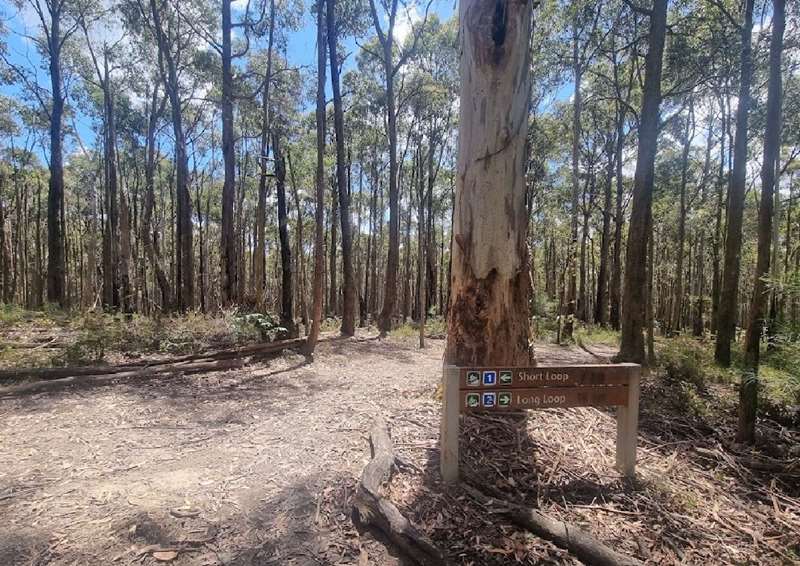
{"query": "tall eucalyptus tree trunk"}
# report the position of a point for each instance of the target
(488, 313)
(748, 392)
(729, 297)
(633, 299)
(319, 180)
(349, 286)
(287, 293)
(229, 268)
(184, 251)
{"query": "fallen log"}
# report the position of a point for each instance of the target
(249, 350)
(77, 371)
(564, 535)
(103, 379)
(32, 345)
(371, 509)
(21, 374)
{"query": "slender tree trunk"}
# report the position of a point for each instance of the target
(368, 299)
(39, 287)
(421, 248)
(583, 296)
(301, 277)
(184, 251)
(154, 258)
(56, 254)
(390, 287)
(748, 392)
(406, 304)
(601, 305)
(319, 214)
(698, 321)
(349, 287)
(649, 301)
(716, 276)
(287, 294)
(430, 230)
(775, 263)
(203, 258)
(5, 251)
(111, 240)
(127, 298)
(577, 106)
(393, 258)
(615, 291)
(259, 251)
(676, 324)
(619, 223)
(333, 296)
(228, 260)
(632, 342)
(729, 298)
(488, 314)
(787, 255)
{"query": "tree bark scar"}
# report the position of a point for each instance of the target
(499, 22)
(492, 28)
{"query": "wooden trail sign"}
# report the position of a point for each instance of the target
(499, 389)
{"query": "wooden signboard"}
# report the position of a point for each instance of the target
(498, 389)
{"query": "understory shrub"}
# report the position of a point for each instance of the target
(687, 360)
(683, 360)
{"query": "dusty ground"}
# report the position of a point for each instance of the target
(258, 467)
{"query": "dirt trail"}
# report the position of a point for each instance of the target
(239, 467)
(258, 467)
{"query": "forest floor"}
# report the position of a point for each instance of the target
(259, 465)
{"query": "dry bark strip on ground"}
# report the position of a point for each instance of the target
(587, 548)
(372, 509)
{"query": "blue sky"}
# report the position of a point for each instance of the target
(302, 43)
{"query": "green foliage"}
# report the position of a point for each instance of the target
(264, 325)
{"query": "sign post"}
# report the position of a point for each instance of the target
(499, 389)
